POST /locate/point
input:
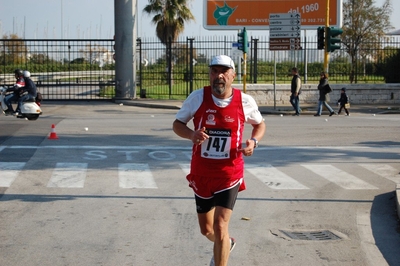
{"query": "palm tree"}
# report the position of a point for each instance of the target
(170, 17)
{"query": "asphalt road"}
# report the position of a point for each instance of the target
(116, 194)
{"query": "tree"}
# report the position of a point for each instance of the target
(181, 54)
(14, 50)
(169, 17)
(363, 27)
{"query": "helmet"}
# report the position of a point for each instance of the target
(18, 72)
(27, 74)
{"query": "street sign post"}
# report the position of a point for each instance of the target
(284, 35)
(284, 31)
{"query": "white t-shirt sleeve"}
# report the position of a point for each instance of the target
(250, 109)
(190, 106)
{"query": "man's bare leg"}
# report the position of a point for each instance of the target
(222, 243)
(214, 225)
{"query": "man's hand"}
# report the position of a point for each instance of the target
(199, 136)
(249, 149)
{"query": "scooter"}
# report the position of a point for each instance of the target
(29, 110)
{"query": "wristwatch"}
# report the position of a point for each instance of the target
(255, 142)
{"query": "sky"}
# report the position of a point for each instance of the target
(94, 19)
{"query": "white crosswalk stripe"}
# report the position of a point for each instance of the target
(274, 178)
(9, 172)
(135, 175)
(338, 177)
(185, 168)
(140, 175)
(384, 170)
(68, 175)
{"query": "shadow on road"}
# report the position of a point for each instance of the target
(385, 227)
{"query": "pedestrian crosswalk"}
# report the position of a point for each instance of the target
(9, 172)
(135, 175)
(274, 178)
(69, 175)
(142, 175)
(339, 177)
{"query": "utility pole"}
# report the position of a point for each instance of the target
(125, 17)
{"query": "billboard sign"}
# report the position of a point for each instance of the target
(254, 14)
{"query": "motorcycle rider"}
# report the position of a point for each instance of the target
(28, 92)
(20, 82)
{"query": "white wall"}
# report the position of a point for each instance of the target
(358, 93)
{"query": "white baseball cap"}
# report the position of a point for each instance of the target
(222, 60)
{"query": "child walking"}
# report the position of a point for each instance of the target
(343, 101)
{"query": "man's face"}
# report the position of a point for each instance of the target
(221, 79)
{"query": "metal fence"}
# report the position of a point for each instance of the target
(85, 70)
(62, 69)
(179, 67)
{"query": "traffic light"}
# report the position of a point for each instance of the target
(331, 41)
(242, 41)
(321, 38)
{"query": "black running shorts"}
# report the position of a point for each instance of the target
(226, 199)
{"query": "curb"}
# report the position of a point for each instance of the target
(148, 104)
(280, 110)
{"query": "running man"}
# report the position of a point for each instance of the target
(216, 173)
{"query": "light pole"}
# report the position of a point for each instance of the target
(62, 29)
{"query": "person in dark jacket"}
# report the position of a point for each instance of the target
(344, 99)
(16, 89)
(28, 93)
(324, 90)
(295, 91)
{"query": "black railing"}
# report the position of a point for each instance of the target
(85, 69)
(62, 69)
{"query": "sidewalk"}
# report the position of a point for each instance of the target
(307, 109)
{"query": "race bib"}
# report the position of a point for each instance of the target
(218, 145)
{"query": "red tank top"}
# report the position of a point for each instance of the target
(219, 156)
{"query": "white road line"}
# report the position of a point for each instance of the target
(185, 167)
(188, 154)
(273, 178)
(135, 175)
(339, 177)
(68, 175)
(384, 170)
(9, 172)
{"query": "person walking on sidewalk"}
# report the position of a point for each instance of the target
(343, 102)
(324, 90)
(219, 113)
(295, 91)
